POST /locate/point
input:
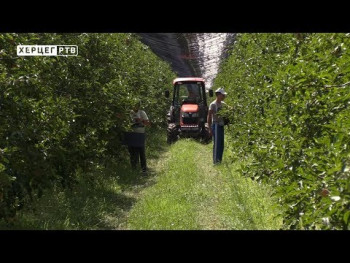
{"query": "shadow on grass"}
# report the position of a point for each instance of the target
(84, 208)
(101, 199)
(130, 179)
(105, 209)
(156, 145)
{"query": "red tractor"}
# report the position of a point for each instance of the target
(188, 112)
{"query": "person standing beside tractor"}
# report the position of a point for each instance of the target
(216, 125)
(136, 139)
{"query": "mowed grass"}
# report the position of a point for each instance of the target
(183, 191)
(192, 194)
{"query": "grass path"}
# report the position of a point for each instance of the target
(190, 194)
(184, 191)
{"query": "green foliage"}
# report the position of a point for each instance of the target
(60, 114)
(290, 95)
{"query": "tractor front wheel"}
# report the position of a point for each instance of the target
(206, 138)
(171, 134)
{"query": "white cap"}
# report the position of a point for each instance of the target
(221, 90)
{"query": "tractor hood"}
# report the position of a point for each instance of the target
(189, 108)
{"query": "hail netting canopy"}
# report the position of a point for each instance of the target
(191, 54)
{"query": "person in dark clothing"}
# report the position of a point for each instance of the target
(136, 143)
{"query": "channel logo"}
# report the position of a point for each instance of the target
(47, 50)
